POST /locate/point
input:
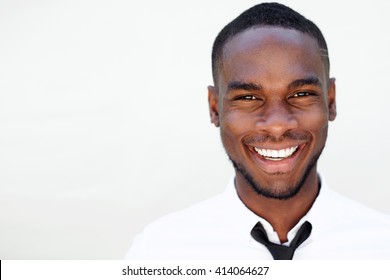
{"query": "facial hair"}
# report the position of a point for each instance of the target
(289, 192)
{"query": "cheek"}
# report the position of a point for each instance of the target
(233, 126)
(317, 123)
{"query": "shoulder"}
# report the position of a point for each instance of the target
(190, 228)
(351, 210)
(333, 206)
(203, 212)
(345, 228)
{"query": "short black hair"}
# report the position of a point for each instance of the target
(267, 14)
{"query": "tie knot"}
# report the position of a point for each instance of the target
(280, 252)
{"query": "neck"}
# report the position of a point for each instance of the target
(283, 215)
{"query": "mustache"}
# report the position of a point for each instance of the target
(288, 135)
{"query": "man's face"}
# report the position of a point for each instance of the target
(272, 101)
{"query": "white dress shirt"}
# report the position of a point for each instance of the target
(219, 228)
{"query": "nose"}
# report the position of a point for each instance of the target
(276, 119)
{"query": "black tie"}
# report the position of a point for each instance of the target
(280, 252)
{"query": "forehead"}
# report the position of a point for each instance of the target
(267, 50)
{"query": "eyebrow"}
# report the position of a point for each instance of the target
(305, 81)
(237, 85)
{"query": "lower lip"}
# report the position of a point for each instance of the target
(278, 166)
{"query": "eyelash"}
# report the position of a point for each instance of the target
(247, 98)
(250, 97)
(302, 94)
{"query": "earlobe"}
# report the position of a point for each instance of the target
(213, 105)
(332, 99)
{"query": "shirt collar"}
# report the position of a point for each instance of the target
(246, 219)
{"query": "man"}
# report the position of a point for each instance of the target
(272, 100)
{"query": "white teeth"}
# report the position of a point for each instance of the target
(276, 154)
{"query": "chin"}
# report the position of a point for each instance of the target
(281, 188)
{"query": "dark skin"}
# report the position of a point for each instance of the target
(274, 94)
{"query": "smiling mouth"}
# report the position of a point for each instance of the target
(276, 155)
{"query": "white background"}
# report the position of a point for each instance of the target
(104, 122)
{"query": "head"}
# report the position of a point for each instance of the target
(272, 97)
(266, 14)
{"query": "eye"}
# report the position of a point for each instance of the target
(302, 94)
(247, 97)
(304, 98)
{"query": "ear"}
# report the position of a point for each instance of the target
(332, 99)
(213, 105)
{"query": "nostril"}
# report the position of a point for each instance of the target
(277, 127)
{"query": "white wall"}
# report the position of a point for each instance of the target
(104, 123)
